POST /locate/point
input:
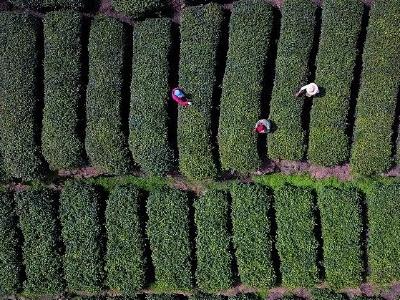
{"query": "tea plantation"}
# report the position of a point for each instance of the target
(109, 190)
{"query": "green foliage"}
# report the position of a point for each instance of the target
(294, 48)
(168, 231)
(341, 229)
(251, 234)
(245, 297)
(10, 266)
(125, 244)
(375, 111)
(200, 36)
(106, 144)
(250, 27)
(296, 243)
(161, 297)
(81, 234)
(149, 96)
(383, 234)
(137, 8)
(325, 294)
(341, 25)
(61, 144)
(18, 94)
(213, 272)
(43, 264)
(40, 4)
(201, 296)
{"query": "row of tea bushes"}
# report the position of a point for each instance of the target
(200, 37)
(376, 105)
(294, 49)
(85, 241)
(329, 143)
(250, 28)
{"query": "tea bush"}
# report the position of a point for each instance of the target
(341, 26)
(19, 63)
(54, 4)
(213, 271)
(325, 294)
(168, 232)
(10, 266)
(137, 8)
(251, 235)
(383, 233)
(294, 49)
(341, 231)
(125, 243)
(106, 144)
(200, 37)
(148, 138)
(375, 111)
(61, 144)
(43, 264)
(249, 31)
(296, 242)
(81, 233)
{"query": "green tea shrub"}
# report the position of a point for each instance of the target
(200, 37)
(43, 264)
(294, 49)
(168, 232)
(81, 233)
(10, 265)
(296, 243)
(213, 271)
(249, 38)
(106, 144)
(61, 144)
(376, 104)
(383, 234)
(148, 138)
(19, 63)
(341, 26)
(251, 234)
(137, 8)
(125, 243)
(341, 231)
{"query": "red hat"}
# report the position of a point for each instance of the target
(260, 128)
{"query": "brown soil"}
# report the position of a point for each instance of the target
(81, 173)
(288, 167)
(106, 9)
(239, 289)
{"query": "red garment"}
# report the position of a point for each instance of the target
(261, 128)
(180, 101)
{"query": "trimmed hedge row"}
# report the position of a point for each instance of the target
(249, 32)
(200, 36)
(372, 148)
(39, 4)
(106, 144)
(10, 266)
(383, 234)
(341, 25)
(325, 294)
(81, 233)
(251, 228)
(168, 231)
(294, 48)
(341, 230)
(61, 144)
(125, 242)
(19, 63)
(148, 139)
(137, 8)
(213, 272)
(43, 264)
(296, 242)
